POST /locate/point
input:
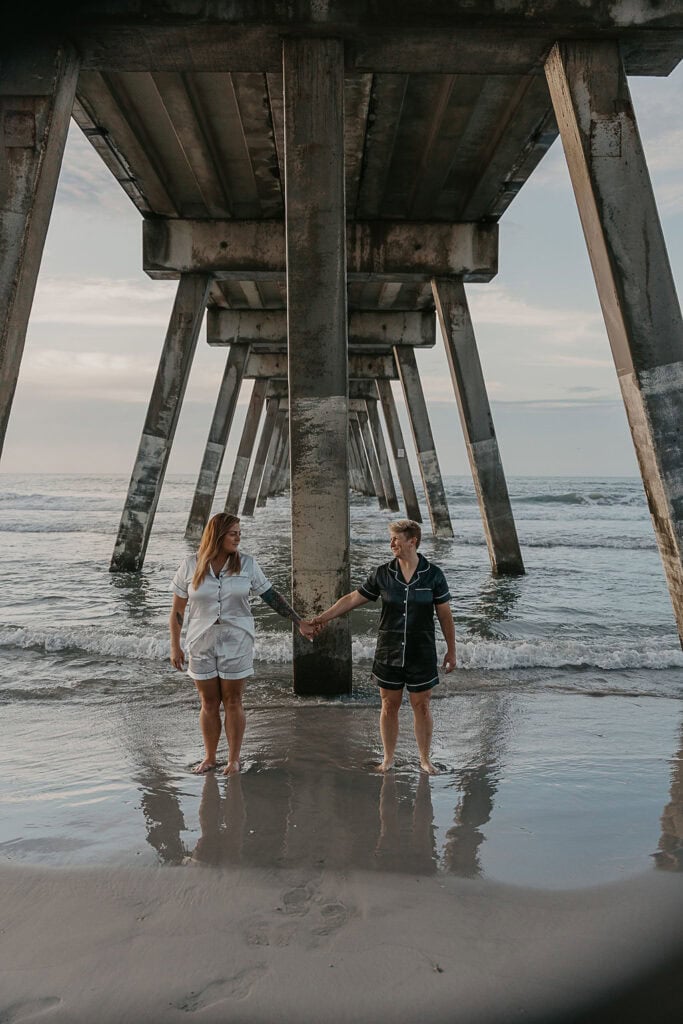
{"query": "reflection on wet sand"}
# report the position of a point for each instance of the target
(406, 840)
(461, 851)
(669, 857)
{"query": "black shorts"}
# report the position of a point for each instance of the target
(415, 678)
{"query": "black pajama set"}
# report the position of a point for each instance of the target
(406, 643)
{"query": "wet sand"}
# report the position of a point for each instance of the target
(519, 882)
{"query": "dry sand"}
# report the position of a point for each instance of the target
(246, 945)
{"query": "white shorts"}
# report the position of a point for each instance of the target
(222, 651)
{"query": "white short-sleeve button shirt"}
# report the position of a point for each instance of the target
(223, 598)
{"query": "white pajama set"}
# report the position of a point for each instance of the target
(220, 627)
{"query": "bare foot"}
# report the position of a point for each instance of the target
(207, 765)
(427, 766)
(232, 768)
(385, 766)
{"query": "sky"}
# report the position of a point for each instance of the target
(98, 325)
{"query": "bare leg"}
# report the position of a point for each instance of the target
(235, 721)
(209, 721)
(423, 723)
(388, 725)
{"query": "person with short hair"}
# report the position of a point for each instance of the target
(214, 586)
(411, 591)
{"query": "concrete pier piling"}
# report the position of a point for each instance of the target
(382, 454)
(427, 458)
(160, 423)
(273, 451)
(631, 267)
(246, 446)
(37, 90)
(369, 445)
(398, 449)
(219, 431)
(477, 425)
(254, 487)
(313, 81)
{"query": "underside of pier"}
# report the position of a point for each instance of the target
(325, 179)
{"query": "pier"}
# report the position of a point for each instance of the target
(323, 181)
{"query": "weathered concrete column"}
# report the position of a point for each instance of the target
(355, 478)
(279, 481)
(313, 79)
(365, 477)
(477, 425)
(382, 454)
(261, 456)
(424, 441)
(398, 449)
(37, 91)
(269, 468)
(160, 425)
(218, 438)
(246, 445)
(626, 246)
(373, 462)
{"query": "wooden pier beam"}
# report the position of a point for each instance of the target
(313, 80)
(424, 441)
(219, 432)
(246, 446)
(160, 424)
(477, 425)
(398, 449)
(37, 89)
(631, 267)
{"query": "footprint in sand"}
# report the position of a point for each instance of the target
(237, 987)
(29, 1010)
(265, 933)
(334, 916)
(297, 900)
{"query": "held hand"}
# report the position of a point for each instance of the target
(178, 658)
(318, 624)
(307, 629)
(449, 661)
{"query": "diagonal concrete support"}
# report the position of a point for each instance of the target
(424, 441)
(261, 456)
(37, 90)
(313, 80)
(382, 454)
(273, 452)
(366, 486)
(278, 481)
(626, 246)
(477, 424)
(160, 424)
(369, 445)
(246, 446)
(219, 431)
(398, 449)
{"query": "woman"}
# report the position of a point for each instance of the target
(411, 589)
(214, 585)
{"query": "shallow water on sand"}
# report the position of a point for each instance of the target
(558, 738)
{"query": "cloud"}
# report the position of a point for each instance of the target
(558, 325)
(100, 301)
(108, 377)
(86, 182)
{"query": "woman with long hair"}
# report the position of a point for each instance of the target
(214, 587)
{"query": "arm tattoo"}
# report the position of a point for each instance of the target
(179, 618)
(279, 605)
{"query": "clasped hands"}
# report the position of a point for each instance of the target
(310, 628)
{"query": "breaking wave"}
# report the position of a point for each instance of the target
(275, 647)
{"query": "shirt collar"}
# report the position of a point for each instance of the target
(422, 566)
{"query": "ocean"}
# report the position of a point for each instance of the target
(558, 737)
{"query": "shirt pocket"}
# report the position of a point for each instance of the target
(423, 595)
(240, 586)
